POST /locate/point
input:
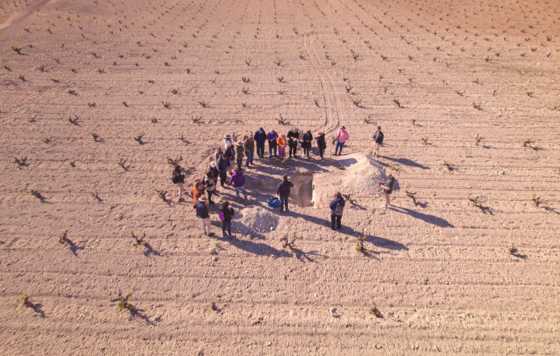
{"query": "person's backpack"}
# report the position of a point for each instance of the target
(339, 208)
(379, 136)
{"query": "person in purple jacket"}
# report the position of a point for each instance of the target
(272, 146)
(238, 182)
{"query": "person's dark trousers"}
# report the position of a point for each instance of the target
(272, 149)
(223, 178)
(239, 164)
(249, 161)
(321, 152)
(293, 149)
(260, 149)
(306, 151)
(284, 205)
(336, 221)
(226, 227)
(210, 193)
(338, 149)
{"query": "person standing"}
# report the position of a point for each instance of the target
(388, 188)
(197, 191)
(228, 142)
(226, 215)
(218, 154)
(378, 137)
(307, 139)
(321, 143)
(281, 142)
(203, 215)
(293, 137)
(341, 137)
(239, 154)
(238, 182)
(210, 186)
(213, 171)
(260, 138)
(249, 150)
(229, 154)
(272, 136)
(222, 170)
(178, 178)
(284, 193)
(337, 207)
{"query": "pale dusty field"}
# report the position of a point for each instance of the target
(434, 74)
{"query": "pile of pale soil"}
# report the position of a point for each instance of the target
(360, 177)
(256, 220)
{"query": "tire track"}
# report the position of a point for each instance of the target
(333, 116)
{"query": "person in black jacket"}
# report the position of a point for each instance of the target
(306, 143)
(222, 166)
(226, 215)
(337, 207)
(284, 193)
(321, 143)
(293, 137)
(260, 139)
(178, 178)
(378, 138)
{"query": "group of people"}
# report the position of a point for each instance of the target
(227, 168)
(278, 143)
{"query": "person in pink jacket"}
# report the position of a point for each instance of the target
(341, 137)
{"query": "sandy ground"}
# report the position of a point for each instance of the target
(434, 74)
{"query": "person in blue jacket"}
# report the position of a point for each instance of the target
(260, 139)
(337, 207)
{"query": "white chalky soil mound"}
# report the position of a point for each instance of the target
(360, 177)
(256, 220)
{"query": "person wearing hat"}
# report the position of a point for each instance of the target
(203, 215)
(321, 143)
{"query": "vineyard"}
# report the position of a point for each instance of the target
(100, 99)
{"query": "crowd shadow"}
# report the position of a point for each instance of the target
(430, 219)
(405, 162)
(256, 248)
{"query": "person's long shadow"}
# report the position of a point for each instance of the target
(386, 243)
(406, 162)
(257, 248)
(319, 221)
(430, 219)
